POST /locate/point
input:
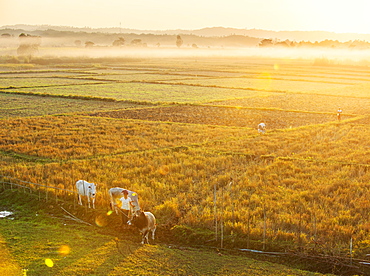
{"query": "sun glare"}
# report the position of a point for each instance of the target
(64, 250)
(49, 262)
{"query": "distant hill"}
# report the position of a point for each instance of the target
(206, 32)
(215, 37)
(67, 36)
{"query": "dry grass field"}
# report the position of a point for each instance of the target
(183, 134)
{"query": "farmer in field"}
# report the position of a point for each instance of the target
(262, 128)
(339, 113)
(125, 207)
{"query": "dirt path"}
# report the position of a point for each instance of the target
(8, 265)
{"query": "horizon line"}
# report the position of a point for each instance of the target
(180, 29)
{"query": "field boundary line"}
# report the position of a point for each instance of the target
(80, 97)
(288, 158)
(52, 85)
(31, 183)
(274, 109)
(30, 158)
(254, 89)
(169, 105)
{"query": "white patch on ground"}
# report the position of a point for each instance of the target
(4, 214)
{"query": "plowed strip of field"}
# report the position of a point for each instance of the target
(224, 116)
(303, 102)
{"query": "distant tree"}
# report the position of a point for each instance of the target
(179, 41)
(78, 43)
(119, 42)
(285, 43)
(194, 45)
(6, 35)
(89, 44)
(28, 45)
(359, 44)
(266, 43)
(136, 42)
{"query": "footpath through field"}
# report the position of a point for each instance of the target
(8, 265)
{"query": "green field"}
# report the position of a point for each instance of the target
(182, 133)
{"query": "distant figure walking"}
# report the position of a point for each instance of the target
(339, 113)
(262, 128)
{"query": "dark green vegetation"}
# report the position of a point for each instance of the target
(45, 240)
(182, 134)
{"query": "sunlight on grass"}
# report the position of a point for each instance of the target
(9, 266)
(305, 180)
(264, 81)
(91, 261)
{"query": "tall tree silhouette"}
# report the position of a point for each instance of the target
(179, 41)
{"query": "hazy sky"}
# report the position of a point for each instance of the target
(329, 15)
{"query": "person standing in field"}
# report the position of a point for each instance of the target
(126, 204)
(339, 113)
(262, 128)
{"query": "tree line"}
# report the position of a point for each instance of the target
(327, 43)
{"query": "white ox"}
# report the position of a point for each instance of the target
(145, 222)
(116, 193)
(262, 128)
(87, 189)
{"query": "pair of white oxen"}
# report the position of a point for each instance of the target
(144, 221)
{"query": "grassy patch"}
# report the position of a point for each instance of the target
(43, 243)
(16, 105)
(150, 92)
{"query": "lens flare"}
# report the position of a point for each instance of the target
(101, 220)
(64, 250)
(109, 213)
(49, 262)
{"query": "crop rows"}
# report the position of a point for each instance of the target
(304, 184)
(70, 137)
(304, 102)
(226, 116)
(188, 82)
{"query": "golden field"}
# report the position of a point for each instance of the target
(184, 132)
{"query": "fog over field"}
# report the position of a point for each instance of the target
(320, 56)
(58, 43)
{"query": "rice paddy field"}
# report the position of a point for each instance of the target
(182, 133)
